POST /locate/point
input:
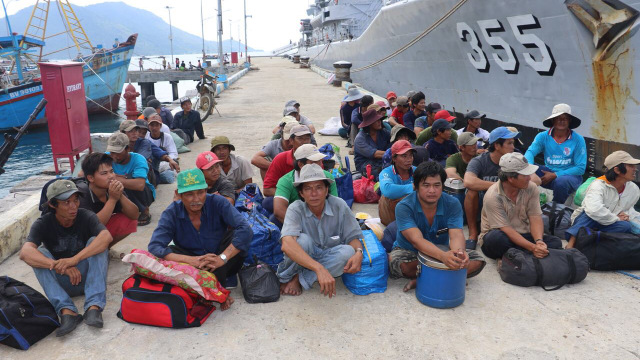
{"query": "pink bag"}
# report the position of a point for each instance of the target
(363, 191)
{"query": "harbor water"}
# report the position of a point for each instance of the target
(33, 153)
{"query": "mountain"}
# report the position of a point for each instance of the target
(108, 21)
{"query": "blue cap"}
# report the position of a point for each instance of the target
(502, 133)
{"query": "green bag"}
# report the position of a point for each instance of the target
(180, 146)
(581, 191)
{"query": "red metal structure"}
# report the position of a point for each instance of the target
(130, 95)
(234, 57)
(66, 112)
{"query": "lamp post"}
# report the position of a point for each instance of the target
(221, 67)
(230, 36)
(246, 51)
(202, 27)
(170, 34)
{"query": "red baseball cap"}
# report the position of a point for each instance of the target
(444, 114)
(382, 104)
(400, 147)
(206, 160)
(391, 94)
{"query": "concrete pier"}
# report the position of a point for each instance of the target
(595, 319)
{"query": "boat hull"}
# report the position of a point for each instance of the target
(550, 58)
(104, 76)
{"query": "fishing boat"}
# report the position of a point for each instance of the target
(510, 59)
(104, 70)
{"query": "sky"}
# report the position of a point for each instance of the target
(273, 23)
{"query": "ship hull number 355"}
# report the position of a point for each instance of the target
(541, 59)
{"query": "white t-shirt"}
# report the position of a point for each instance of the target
(481, 133)
(167, 144)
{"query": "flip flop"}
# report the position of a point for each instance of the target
(144, 220)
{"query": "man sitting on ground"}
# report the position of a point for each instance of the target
(609, 201)
(105, 196)
(482, 172)
(397, 115)
(320, 237)
(286, 193)
(67, 249)
(235, 168)
(371, 143)
(283, 162)
(131, 170)
(188, 120)
(474, 121)
(292, 111)
(399, 132)
(150, 151)
(217, 184)
(396, 181)
(166, 174)
(165, 114)
(427, 134)
(565, 153)
(349, 104)
(208, 233)
(424, 122)
(441, 146)
(511, 215)
(430, 222)
(418, 105)
(456, 165)
(149, 111)
(263, 158)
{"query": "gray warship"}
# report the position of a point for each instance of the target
(510, 59)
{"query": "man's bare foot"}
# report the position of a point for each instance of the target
(227, 304)
(292, 287)
(410, 285)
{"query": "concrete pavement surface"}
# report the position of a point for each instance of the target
(595, 319)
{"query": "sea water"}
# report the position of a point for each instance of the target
(33, 153)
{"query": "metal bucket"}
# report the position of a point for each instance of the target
(437, 285)
(455, 188)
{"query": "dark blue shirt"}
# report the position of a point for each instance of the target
(440, 152)
(189, 124)
(167, 117)
(356, 117)
(217, 216)
(148, 149)
(364, 148)
(346, 111)
(409, 215)
(410, 117)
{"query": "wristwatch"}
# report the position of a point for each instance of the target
(361, 251)
(538, 240)
(224, 258)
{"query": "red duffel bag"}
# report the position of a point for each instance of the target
(150, 302)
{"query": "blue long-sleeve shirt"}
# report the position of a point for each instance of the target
(567, 158)
(148, 149)
(355, 116)
(392, 186)
(217, 216)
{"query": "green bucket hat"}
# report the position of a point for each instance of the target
(190, 180)
(221, 140)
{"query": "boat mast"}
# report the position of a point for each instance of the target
(202, 27)
(14, 42)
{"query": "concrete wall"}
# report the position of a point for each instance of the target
(15, 225)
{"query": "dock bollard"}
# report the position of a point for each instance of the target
(343, 72)
(304, 62)
(296, 59)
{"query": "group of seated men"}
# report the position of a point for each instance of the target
(68, 245)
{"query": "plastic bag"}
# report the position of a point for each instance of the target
(363, 189)
(331, 127)
(265, 244)
(372, 277)
(344, 184)
(259, 283)
(582, 190)
(250, 197)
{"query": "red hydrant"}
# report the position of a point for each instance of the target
(130, 95)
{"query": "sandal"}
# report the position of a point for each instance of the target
(144, 219)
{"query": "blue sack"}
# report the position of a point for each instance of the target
(250, 198)
(344, 184)
(372, 277)
(265, 244)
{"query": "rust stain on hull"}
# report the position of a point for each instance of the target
(613, 87)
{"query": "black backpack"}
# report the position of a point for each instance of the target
(609, 251)
(556, 218)
(26, 316)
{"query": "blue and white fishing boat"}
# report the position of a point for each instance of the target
(105, 70)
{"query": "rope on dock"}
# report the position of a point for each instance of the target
(628, 274)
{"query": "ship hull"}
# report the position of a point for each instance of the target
(550, 59)
(104, 76)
